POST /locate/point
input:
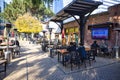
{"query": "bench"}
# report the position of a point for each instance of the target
(3, 62)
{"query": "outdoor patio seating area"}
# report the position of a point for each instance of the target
(34, 63)
(72, 62)
(99, 62)
(59, 39)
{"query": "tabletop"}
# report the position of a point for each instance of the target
(4, 47)
(63, 51)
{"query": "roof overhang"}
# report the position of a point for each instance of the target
(76, 7)
(108, 24)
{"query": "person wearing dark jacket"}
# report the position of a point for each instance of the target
(82, 52)
(16, 42)
(17, 48)
(94, 48)
(72, 47)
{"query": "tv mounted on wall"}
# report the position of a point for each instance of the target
(100, 33)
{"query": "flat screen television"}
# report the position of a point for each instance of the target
(100, 33)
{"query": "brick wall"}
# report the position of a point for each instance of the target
(109, 16)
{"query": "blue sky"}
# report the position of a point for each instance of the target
(8, 1)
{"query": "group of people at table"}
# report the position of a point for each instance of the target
(82, 51)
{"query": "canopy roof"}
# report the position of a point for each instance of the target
(76, 7)
(106, 4)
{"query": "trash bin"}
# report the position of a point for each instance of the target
(8, 56)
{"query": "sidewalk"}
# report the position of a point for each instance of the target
(33, 64)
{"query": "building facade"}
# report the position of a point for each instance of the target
(103, 15)
(2, 6)
(110, 18)
(60, 4)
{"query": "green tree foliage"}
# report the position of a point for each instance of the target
(19, 7)
(13, 10)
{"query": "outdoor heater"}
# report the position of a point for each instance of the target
(50, 31)
(8, 55)
(15, 30)
(50, 49)
(117, 48)
(43, 42)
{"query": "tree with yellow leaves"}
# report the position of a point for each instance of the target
(28, 24)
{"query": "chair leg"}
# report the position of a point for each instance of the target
(5, 67)
(84, 63)
(71, 65)
(4, 63)
(89, 62)
(79, 65)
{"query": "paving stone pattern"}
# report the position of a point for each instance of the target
(34, 64)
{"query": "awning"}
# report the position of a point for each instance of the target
(76, 7)
(107, 24)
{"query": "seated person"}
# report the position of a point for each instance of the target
(94, 47)
(70, 48)
(17, 49)
(82, 52)
(12, 42)
(1, 50)
(16, 42)
(1, 41)
(104, 47)
(55, 43)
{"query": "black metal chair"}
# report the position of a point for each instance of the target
(16, 51)
(84, 55)
(3, 62)
(92, 54)
(75, 59)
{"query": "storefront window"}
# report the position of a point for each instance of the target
(72, 34)
(71, 30)
(76, 30)
(76, 38)
(67, 31)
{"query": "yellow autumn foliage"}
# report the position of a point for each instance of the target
(27, 23)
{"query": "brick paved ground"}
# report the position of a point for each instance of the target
(33, 64)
